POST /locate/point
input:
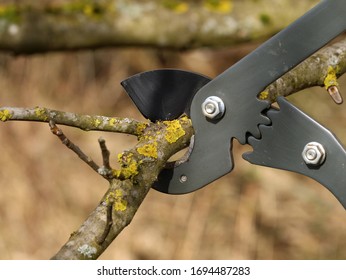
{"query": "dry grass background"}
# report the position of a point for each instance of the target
(46, 192)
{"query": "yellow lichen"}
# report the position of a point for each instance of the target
(181, 8)
(118, 193)
(174, 131)
(140, 128)
(263, 95)
(331, 78)
(41, 113)
(92, 9)
(116, 198)
(177, 6)
(88, 10)
(119, 204)
(3, 10)
(148, 150)
(5, 115)
(9, 12)
(97, 122)
(129, 166)
(220, 6)
(112, 121)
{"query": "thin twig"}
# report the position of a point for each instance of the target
(105, 170)
(84, 122)
(69, 144)
(109, 223)
(105, 153)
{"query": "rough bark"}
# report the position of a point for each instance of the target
(84, 122)
(140, 168)
(30, 27)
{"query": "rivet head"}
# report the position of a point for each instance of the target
(183, 179)
(314, 154)
(213, 107)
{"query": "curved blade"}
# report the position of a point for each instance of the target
(283, 142)
(239, 86)
(163, 94)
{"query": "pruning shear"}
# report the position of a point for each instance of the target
(228, 107)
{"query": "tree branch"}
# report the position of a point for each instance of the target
(29, 27)
(84, 122)
(69, 144)
(140, 167)
(105, 153)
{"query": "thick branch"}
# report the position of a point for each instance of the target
(140, 167)
(180, 24)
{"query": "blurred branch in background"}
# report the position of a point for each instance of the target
(42, 26)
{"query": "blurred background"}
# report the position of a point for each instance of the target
(46, 192)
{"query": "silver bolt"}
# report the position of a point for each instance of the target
(210, 108)
(314, 154)
(213, 107)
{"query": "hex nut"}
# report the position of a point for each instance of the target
(314, 154)
(213, 107)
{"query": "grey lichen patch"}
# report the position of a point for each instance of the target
(221, 26)
(13, 29)
(87, 251)
(103, 171)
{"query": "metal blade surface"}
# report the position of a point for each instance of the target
(239, 86)
(163, 94)
(282, 144)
